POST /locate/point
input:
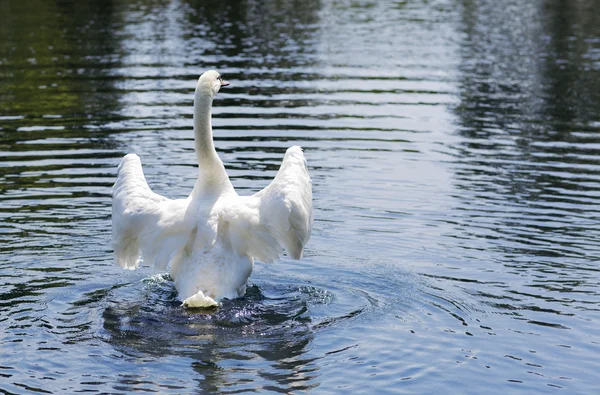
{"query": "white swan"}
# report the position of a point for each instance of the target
(212, 237)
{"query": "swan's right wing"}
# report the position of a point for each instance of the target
(145, 225)
(276, 218)
(285, 207)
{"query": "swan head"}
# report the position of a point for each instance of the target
(210, 82)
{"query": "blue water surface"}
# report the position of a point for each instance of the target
(454, 148)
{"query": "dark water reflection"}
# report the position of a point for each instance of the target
(453, 147)
(529, 117)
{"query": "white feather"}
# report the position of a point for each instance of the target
(145, 225)
(212, 237)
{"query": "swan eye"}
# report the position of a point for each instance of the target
(219, 78)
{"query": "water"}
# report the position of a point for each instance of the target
(454, 149)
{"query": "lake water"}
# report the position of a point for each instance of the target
(454, 147)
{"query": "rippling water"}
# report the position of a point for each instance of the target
(454, 147)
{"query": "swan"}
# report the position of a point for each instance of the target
(212, 237)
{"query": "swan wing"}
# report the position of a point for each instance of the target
(286, 204)
(145, 225)
(280, 216)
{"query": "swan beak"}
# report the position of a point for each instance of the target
(224, 83)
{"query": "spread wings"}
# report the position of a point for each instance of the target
(156, 229)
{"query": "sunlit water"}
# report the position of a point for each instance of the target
(454, 148)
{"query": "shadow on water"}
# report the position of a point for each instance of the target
(271, 323)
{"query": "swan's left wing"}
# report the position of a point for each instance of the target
(280, 216)
(144, 224)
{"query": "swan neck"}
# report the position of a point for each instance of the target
(205, 149)
(212, 177)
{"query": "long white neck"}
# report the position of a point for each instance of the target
(212, 175)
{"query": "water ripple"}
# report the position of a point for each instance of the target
(453, 150)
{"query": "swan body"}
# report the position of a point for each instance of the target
(212, 237)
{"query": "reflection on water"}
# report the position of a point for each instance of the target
(453, 147)
(528, 162)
